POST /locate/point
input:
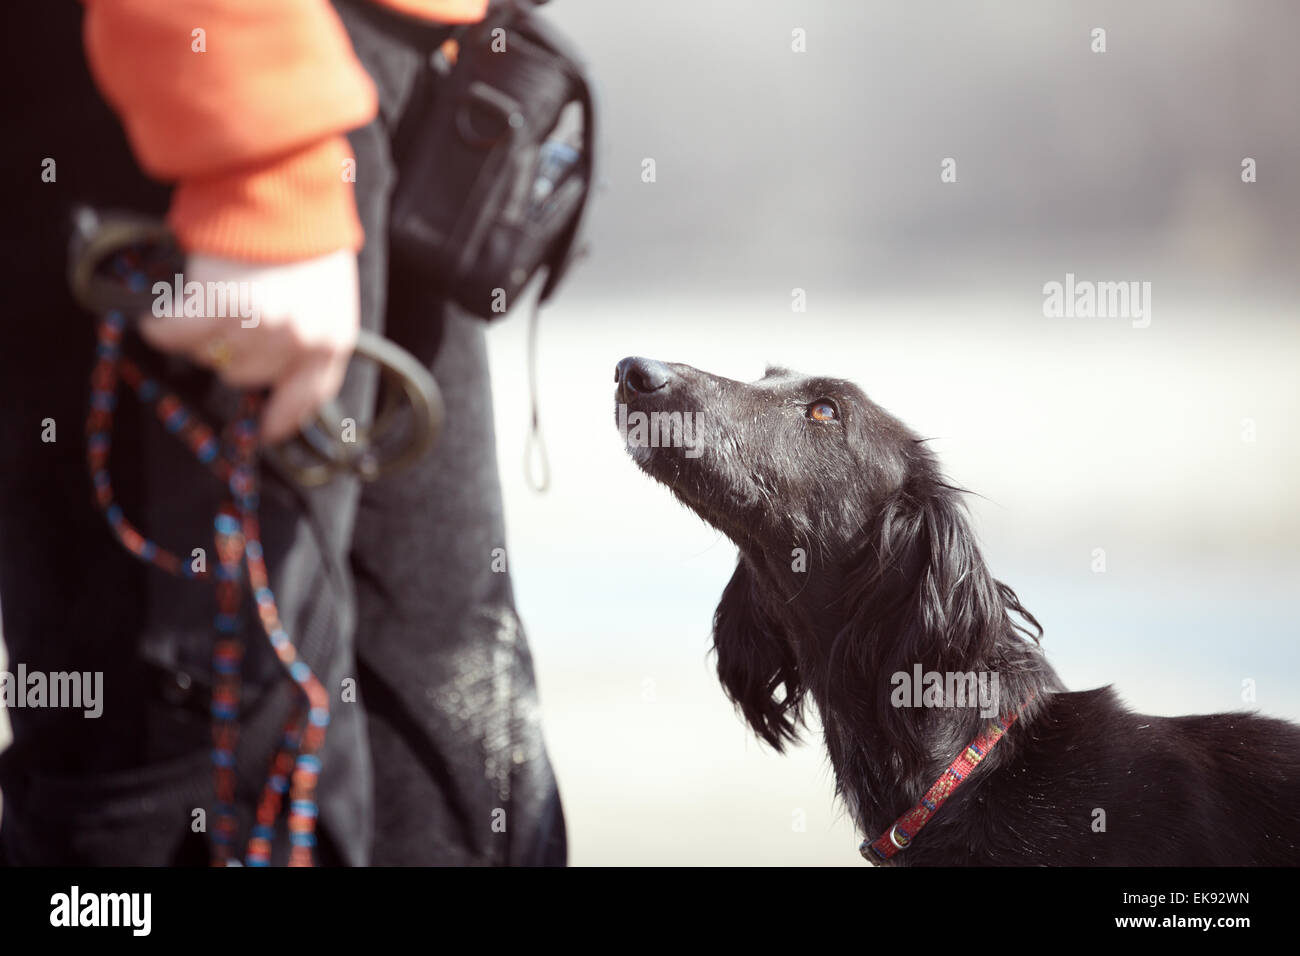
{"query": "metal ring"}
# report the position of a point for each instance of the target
(98, 237)
(328, 457)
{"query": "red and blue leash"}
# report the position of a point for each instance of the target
(232, 458)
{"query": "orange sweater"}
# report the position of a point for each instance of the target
(247, 116)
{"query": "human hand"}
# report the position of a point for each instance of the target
(289, 326)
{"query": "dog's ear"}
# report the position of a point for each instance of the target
(919, 594)
(756, 663)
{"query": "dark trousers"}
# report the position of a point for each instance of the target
(387, 588)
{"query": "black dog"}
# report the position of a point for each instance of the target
(858, 572)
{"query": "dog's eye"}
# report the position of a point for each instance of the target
(823, 410)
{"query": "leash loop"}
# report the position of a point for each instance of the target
(539, 478)
(115, 259)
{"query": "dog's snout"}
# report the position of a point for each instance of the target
(640, 376)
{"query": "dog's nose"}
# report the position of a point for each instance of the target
(640, 376)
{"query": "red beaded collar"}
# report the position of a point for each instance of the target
(903, 832)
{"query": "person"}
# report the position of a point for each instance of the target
(274, 125)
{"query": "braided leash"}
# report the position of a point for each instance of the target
(233, 460)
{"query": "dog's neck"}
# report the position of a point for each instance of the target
(880, 778)
(860, 667)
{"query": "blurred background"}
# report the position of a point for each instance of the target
(1172, 448)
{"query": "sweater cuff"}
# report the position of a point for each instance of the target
(297, 206)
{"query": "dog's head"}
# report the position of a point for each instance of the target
(784, 461)
(857, 560)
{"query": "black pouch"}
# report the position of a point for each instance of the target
(495, 173)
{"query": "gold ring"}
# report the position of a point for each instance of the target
(218, 353)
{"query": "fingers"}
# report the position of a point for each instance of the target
(255, 358)
(299, 394)
(295, 330)
(183, 335)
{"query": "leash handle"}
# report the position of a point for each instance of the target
(111, 259)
